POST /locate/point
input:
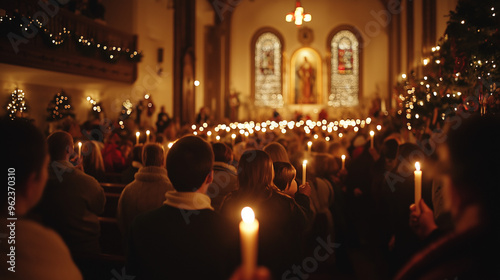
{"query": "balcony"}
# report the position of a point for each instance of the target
(50, 37)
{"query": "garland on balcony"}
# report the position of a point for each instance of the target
(54, 39)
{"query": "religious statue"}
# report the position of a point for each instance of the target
(307, 78)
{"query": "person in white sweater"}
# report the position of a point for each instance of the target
(147, 191)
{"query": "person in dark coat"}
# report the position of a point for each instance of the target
(185, 238)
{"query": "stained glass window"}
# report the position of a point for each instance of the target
(268, 78)
(344, 89)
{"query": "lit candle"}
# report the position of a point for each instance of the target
(147, 134)
(304, 169)
(343, 161)
(233, 136)
(209, 134)
(79, 149)
(418, 184)
(217, 138)
(137, 134)
(309, 145)
(249, 230)
(379, 127)
(372, 133)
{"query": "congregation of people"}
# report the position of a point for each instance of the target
(172, 211)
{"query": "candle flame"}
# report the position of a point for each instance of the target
(372, 133)
(417, 166)
(148, 132)
(343, 156)
(247, 215)
(137, 133)
(80, 144)
(309, 143)
(304, 162)
(233, 136)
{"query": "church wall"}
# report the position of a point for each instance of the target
(365, 15)
(153, 21)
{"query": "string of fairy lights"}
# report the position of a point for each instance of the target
(54, 38)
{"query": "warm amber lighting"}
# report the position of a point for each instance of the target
(247, 215)
(417, 166)
(298, 16)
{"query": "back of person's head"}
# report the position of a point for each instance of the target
(92, 158)
(321, 165)
(60, 144)
(222, 152)
(319, 146)
(390, 148)
(277, 152)
(189, 161)
(137, 153)
(284, 174)
(255, 169)
(153, 154)
(24, 154)
(473, 151)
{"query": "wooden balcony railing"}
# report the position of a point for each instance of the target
(52, 38)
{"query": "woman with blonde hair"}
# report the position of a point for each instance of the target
(92, 161)
(281, 220)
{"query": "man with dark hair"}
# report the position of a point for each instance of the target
(72, 200)
(31, 251)
(185, 238)
(225, 177)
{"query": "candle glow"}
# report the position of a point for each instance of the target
(249, 229)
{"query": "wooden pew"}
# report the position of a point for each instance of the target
(113, 187)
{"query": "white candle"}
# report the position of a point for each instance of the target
(309, 145)
(209, 134)
(233, 136)
(249, 230)
(304, 169)
(217, 138)
(147, 134)
(79, 149)
(343, 161)
(418, 184)
(137, 134)
(372, 133)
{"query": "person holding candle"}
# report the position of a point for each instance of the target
(72, 202)
(184, 238)
(470, 251)
(281, 220)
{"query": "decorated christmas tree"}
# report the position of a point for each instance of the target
(461, 74)
(60, 107)
(16, 106)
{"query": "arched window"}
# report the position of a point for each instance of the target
(267, 61)
(345, 67)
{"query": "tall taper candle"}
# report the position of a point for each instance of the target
(79, 149)
(137, 134)
(147, 134)
(343, 161)
(249, 231)
(418, 184)
(304, 170)
(372, 133)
